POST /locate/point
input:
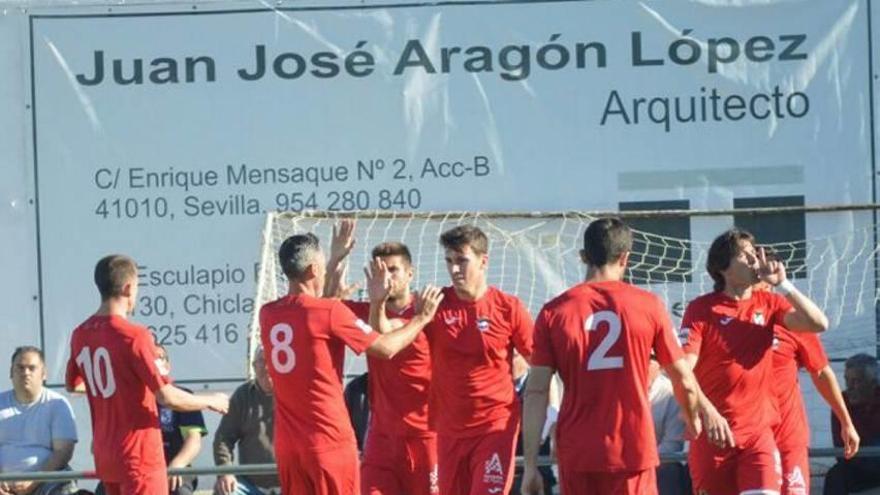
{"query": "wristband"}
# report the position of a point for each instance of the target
(785, 287)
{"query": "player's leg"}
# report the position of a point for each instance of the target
(758, 467)
(291, 474)
(452, 464)
(381, 464)
(626, 483)
(576, 483)
(795, 471)
(421, 460)
(712, 470)
(491, 463)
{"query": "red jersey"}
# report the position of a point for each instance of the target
(398, 388)
(733, 340)
(790, 352)
(599, 336)
(117, 360)
(304, 341)
(472, 352)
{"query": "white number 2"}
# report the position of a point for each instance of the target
(98, 371)
(283, 358)
(599, 360)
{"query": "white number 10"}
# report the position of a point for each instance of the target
(98, 371)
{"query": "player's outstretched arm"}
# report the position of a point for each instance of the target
(537, 396)
(341, 244)
(389, 344)
(805, 315)
(826, 384)
(183, 401)
(699, 413)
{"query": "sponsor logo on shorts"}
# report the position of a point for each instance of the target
(493, 472)
(797, 485)
(434, 480)
(758, 318)
(482, 324)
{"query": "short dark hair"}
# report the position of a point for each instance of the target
(296, 254)
(723, 249)
(606, 240)
(465, 235)
(26, 349)
(392, 249)
(112, 273)
(865, 362)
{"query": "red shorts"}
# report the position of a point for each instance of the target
(478, 465)
(144, 484)
(399, 466)
(332, 472)
(608, 483)
(754, 466)
(795, 471)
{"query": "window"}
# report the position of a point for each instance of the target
(661, 246)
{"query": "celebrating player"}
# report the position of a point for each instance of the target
(473, 404)
(730, 341)
(304, 337)
(116, 363)
(400, 455)
(599, 336)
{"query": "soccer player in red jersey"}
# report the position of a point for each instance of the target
(473, 404)
(400, 454)
(730, 339)
(115, 362)
(599, 336)
(792, 351)
(304, 336)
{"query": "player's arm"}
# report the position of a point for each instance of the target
(699, 413)
(341, 244)
(73, 382)
(180, 400)
(805, 315)
(537, 397)
(826, 384)
(389, 344)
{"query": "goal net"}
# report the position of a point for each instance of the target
(535, 256)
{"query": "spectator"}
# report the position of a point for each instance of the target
(249, 423)
(672, 476)
(37, 428)
(862, 397)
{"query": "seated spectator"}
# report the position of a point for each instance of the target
(182, 434)
(862, 398)
(37, 428)
(672, 476)
(249, 424)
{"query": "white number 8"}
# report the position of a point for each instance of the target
(599, 359)
(281, 337)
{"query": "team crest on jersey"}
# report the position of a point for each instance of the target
(482, 324)
(363, 326)
(758, 318)
(494, 471)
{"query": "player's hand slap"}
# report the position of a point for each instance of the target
(428, 301)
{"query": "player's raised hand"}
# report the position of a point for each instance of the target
(428, 301)
(343, 240)
(532, 482)
(851, 440)
(378, 280)
(771, 271)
